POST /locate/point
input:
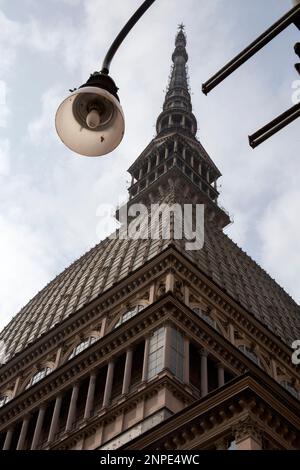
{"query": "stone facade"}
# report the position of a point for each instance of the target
(143, 345)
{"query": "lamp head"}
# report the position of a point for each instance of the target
(90, 121)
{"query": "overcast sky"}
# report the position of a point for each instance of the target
(49, 196)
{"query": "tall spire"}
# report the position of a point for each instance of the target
(177, 109)
(175, 164)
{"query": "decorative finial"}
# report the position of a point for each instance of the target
(181, 27)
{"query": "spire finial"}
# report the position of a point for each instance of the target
(181, 27)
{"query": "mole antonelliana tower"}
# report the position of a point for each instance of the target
(141, 344)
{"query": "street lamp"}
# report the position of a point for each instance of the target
(90, 121)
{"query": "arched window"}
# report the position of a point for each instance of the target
(82, 346)
(129, 314)
(247, 351)
(204, 316)
(40, 375)
(3, 400)
(289, 387)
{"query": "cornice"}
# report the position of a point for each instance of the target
(191, 273)
(166, 309)
(240, 400)
(84, 316)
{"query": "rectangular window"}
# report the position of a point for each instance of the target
(177, 353)
(156, 352)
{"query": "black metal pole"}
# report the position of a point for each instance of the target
(274, 126)
(290, 17)
(123, 33)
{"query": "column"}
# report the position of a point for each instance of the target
(274, 368)
(186, 295)
(58, 356)
(23, 433)
(90, 396)
(149, 165)
(204, 378)
(152, 293)
(186, 364)
(146, 357)
(72, 407)
(167, 358)
(108, 383)
(170, 120)
(157, 158)
(103, 327)
(38, 427)
(221, 377)
(127, 372)
(8, 439)
(231, 333)
(55, 418)
(140, 173)
(192, 161)
(166, 152)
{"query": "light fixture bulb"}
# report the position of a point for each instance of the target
(90, 121)
(93, 119)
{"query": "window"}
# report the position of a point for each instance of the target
(129, 314)
(289, 387)
(82, 346)
(177, 353)
(247, 351)
(3, 400)
(41, 374)
(156, 352)
(204, 316)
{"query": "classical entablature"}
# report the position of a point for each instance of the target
(168, 311)
(248, 412)
(190, 286)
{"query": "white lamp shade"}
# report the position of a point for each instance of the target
(72, 124)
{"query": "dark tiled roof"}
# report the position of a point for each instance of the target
(112, 260)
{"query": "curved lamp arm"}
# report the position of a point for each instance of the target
(123, 33)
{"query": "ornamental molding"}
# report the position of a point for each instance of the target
(168, 260)
(219, 415)
(247, 427)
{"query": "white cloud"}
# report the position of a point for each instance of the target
(41, 130)
(24, 257)
(279, 232)
(4, 157)
(4, 109)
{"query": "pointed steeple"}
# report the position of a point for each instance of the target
(175, 166)
(177, 109)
